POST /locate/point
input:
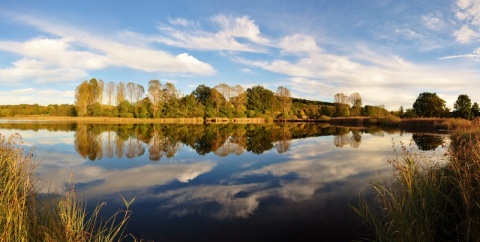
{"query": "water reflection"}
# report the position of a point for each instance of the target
(94, 141)
(206, 179)
(428, 141)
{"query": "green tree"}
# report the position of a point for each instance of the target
(260, 100)
(475, 110)
(239, 100)
(462, 108)
(429, 105)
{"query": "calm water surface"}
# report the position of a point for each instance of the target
(289, 182)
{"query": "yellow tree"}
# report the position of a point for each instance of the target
(82, 96)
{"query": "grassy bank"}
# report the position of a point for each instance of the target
(26, 217)
(427, 200)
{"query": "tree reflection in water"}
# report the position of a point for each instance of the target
(94, 141)
(427, 142)
(346, 135)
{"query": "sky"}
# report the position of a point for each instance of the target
(388, 51)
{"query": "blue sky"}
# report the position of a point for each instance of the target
(388, 51)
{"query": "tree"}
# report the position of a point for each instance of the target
(110, 92)
(93, 91)
(139, 92)
(260, 100)
(401, 112)
(130, 92)
(227, 91)
(341, 98)
(239, 98)
(429, 105)
(82, 96)
(475, 110)
(356, 100)
(462, 108)
(100, 88)
(120, 92)
(155, 95)
(284, 98)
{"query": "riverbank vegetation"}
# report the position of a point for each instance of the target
(427, 200)
(26, 215)
(96, 101)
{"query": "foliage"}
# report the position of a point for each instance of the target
(475, 110)
(462, 108)
(429, 105)
(260, 100)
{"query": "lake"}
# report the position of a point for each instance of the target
(222, 182)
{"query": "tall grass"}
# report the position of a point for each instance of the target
(24, 216)
(425, 200)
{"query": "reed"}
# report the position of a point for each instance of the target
(26, 216)
(425, 200)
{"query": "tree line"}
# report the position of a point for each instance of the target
(163, 100)
(430, 104)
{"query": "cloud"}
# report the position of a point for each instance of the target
(344, 168)
(474, 55)
(99, 181)
(367, 72)
(434, 21)
(73, 52)
(58, 52)
(408, 33)
(468, 13)
(233, 34)
(299, 43)
(43, 96)
(465, 34)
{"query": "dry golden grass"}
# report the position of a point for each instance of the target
(26, 217)
(425, 200)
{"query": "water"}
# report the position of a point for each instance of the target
(288, 182)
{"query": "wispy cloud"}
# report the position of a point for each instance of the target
(227, 37)
(42, 96)
(366, 71)
(74, 52)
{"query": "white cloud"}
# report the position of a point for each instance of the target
(227, 38)
(465, 34)
(408, 33)
(58, 52)
(433, 22)
(181, 22)
(299, 43)
(369, 73)
(42, 96)
(74, 52)
(113, 181)
(40, 71)
(468, 13)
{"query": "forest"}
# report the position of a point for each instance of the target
(94, 98)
